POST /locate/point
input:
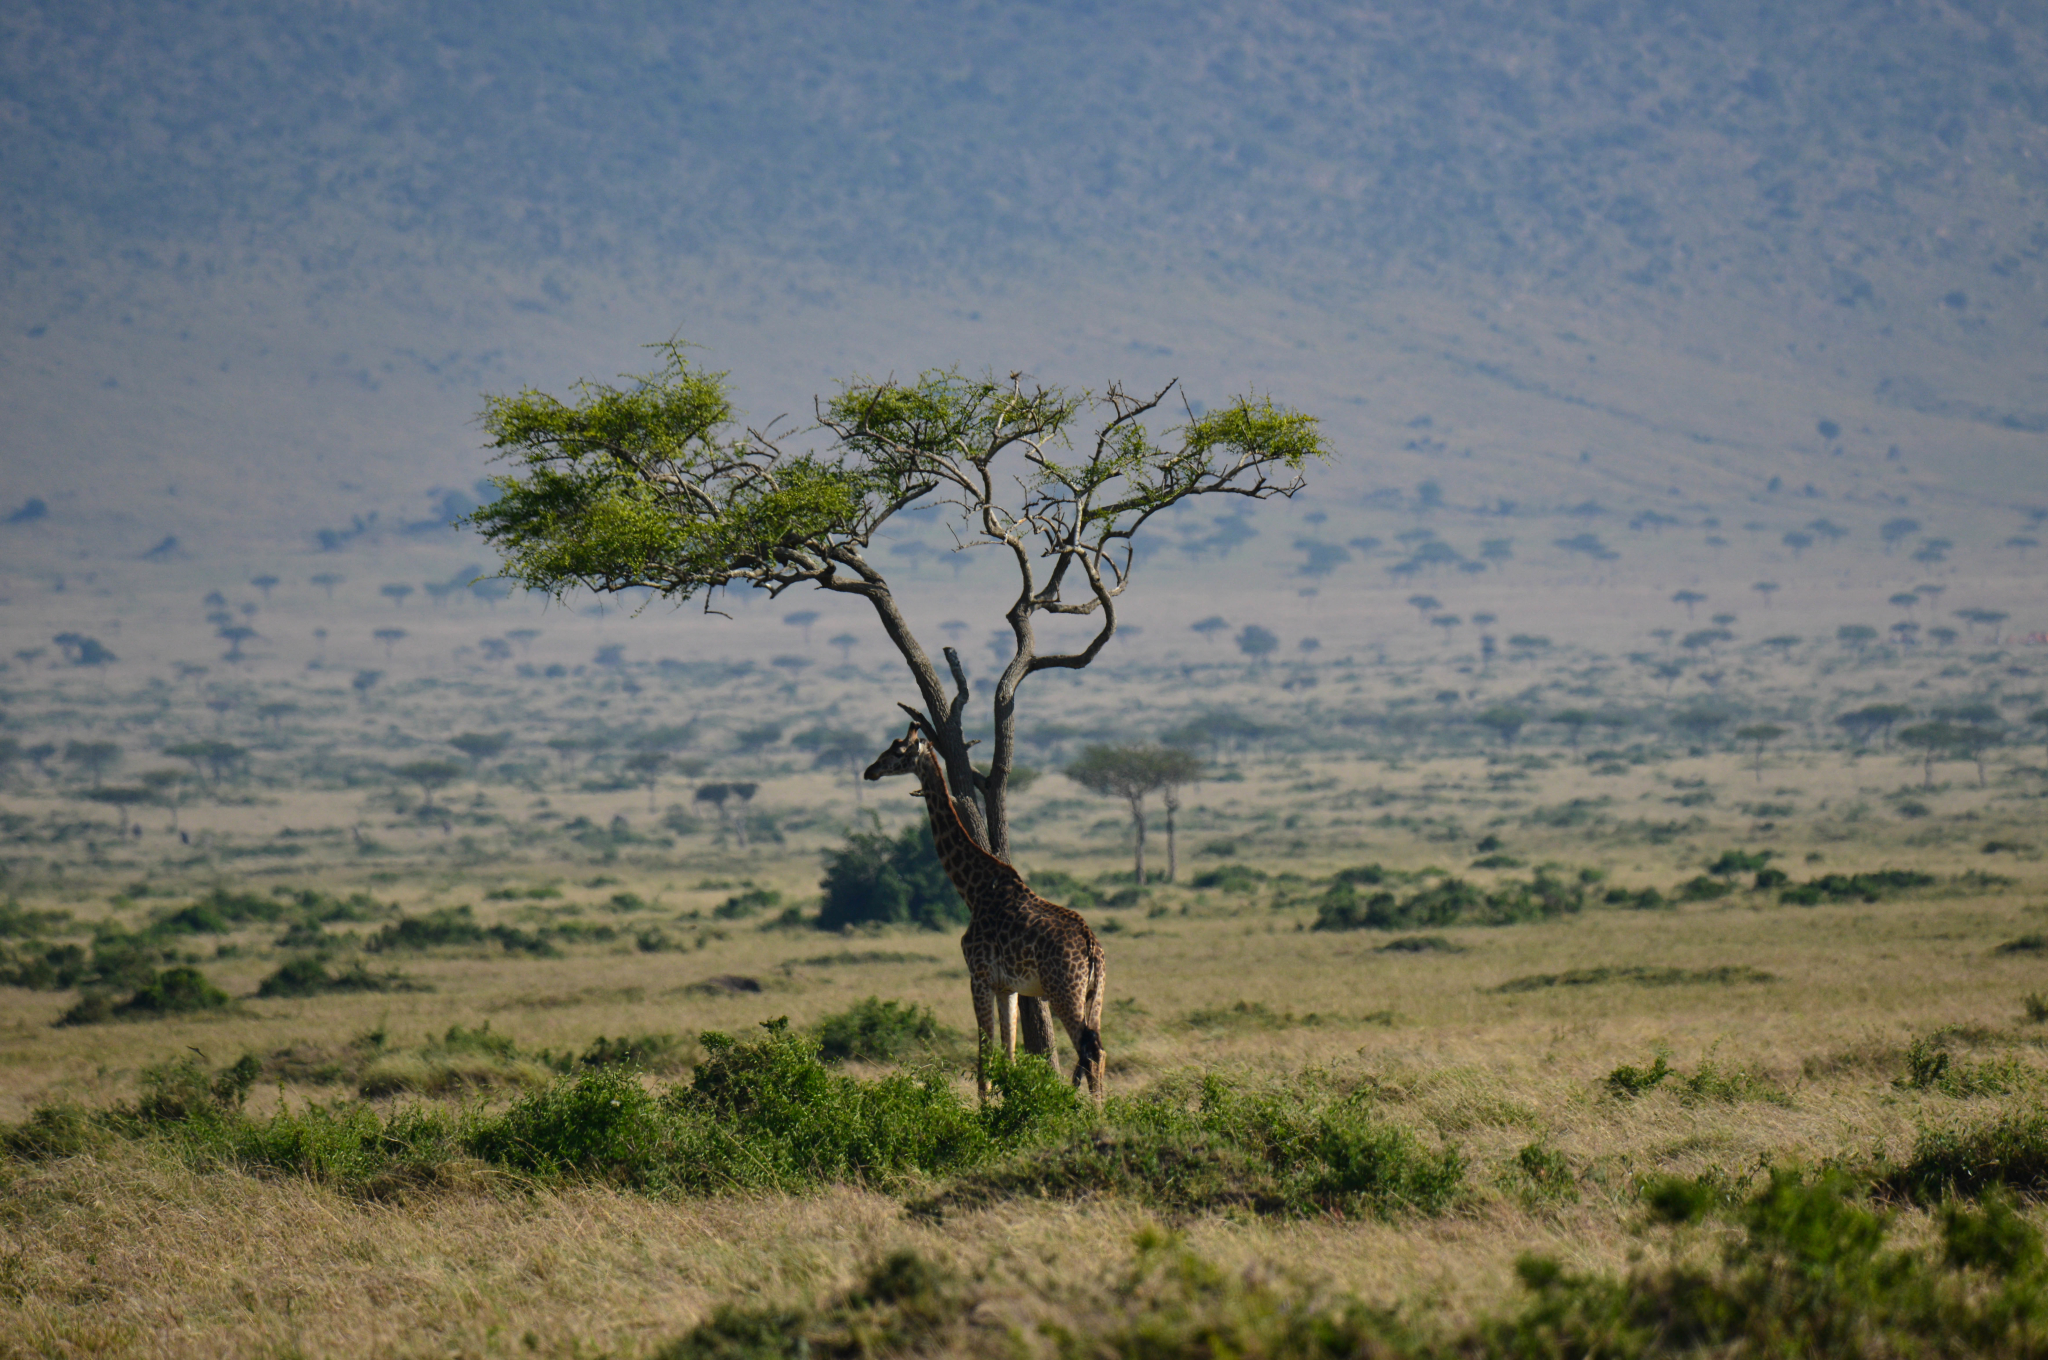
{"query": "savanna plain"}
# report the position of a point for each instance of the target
(1541, 995)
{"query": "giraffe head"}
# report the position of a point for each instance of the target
(901, 757)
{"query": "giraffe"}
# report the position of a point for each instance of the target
(1017, 943)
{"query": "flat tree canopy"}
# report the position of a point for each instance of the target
(650, 485)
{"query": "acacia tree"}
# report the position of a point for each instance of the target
(646, 486)
(1132, 773)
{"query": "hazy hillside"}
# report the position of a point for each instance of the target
(269, 254)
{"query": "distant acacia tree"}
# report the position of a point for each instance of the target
(1896, 531)
(265, 583)
(836, 746)
(327, 581)
(395, 592)
(644, 487)
(1574, 721)
(1767, 589)
(429, 775)
(1504, 721)
(121, 799)
(1759, 735)
(2039, 718)
(1856, 636)
(390, 637)
(93, 758)
(722, 796)
(1133, 773)
(481, 746)
(166, 788)
(1691, 599)
(1256, 642)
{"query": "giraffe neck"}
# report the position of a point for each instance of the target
(970, 867)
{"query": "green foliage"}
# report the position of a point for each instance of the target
(174, 991)
(1931, 1066)
(1210, 1143)
(744, 904)
(2008, 1150)
(1626, 1083)
(1450, 901)
(307, 976)
(894, 881)
(1230, 878)
(874, 1030)
(455, 926)
(1057, 885)
(1870, 887)
(904, 1306)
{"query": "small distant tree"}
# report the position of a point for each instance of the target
(1132, 773)
(1574, 721)
(1499, 551)
(93, 758)
(1856, 636)
(1256, 642)
(1691, 599)
(390, 637)
(481, 746)
(1767, 589)
(1504, 721)
(166, 788)
(265, 583)
(646, 767)
(2039, 718)
(1798, 540)
(1937, 740)
(1944, 637)
(845, 642)
(395, 592)
(1210, 627)
(1701, 724)
(722, 797)
(802, 618)
(235, 635)
(327, 581)
(364, 682)
(1991, 618)
(1906, 599)
(1759, 735)
(1424, 605)
(836, 746)
(429, 775)
(120, 799)
(1896, 531)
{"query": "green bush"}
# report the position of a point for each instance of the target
(1450, 901)
(1209, 1143)
(1870, 887)
(876, 879)
(878, 1031)
(744, 904)
(1230, 878)
(2009, 1150)
(1057, 885)
(174, 991)
(307, 976)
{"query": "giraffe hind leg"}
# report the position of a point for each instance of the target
(1036, 1016)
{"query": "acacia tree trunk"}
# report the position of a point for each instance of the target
(1172, 796)
(1138, 820)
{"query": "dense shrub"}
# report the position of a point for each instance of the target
(1870, 887)
(877, 879)
(455, 926)
(2009, 1150)
(1230, 878)
(1057, 885)
(878, 1031)
(308, 976)
(1449, 901)
(1209, 1143)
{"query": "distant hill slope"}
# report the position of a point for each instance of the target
(365, 212)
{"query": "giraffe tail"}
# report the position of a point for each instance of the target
(1088, 1054)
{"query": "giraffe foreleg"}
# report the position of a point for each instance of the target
(1006, 1021)
(985, 1024)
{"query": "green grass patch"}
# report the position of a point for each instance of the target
(309, 976)
(1248, 1016)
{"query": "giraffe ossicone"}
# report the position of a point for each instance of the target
(1017, 943)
